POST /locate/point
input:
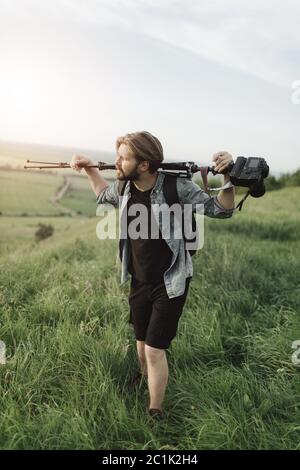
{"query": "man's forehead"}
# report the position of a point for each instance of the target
(124, 151)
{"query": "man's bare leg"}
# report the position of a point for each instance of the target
(140, 345)
(157, 366)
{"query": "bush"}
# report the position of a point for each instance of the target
(44, 231)
(287, 179)
(273, 183)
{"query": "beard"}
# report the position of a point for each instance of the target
(133, 175)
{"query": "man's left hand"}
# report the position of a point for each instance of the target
(222, 160)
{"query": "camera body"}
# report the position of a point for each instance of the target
(250, 173)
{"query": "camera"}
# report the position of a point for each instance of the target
(250, 173)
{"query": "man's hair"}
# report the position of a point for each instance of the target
(145, 147)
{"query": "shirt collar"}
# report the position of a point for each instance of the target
(159, 182)
(156, 188)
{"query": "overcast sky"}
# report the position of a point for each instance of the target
(202, 76)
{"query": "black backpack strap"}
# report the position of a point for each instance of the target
(170, 189)
(121, 189)
(171, 197)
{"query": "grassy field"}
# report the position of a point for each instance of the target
(70, 350)
(30, 193)
(27, 193)
(80, 198)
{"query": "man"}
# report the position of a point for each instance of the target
(160, 267)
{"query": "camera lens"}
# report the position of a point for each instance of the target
(258, 189)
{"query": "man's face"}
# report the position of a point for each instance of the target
(126, 164)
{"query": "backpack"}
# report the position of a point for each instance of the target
(171, 197)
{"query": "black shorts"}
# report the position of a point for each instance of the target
(153, 314)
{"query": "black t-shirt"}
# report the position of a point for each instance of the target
(150, 257)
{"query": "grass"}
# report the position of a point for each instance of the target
(29, 193)
(64, 319)
(27, 196)
(79, 197)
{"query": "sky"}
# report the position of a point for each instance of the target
(202, 76)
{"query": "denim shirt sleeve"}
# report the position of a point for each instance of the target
(190, 193)
(109, 195)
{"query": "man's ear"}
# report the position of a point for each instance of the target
(144, 165)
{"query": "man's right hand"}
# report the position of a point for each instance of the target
(78, 162)
(96, 181)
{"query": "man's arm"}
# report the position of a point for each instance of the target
(226, 196)
(220, 206)
(106, 193)
(98, 184)
(190, 193)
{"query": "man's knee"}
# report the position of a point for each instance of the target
(154, 354)
(140, 345)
